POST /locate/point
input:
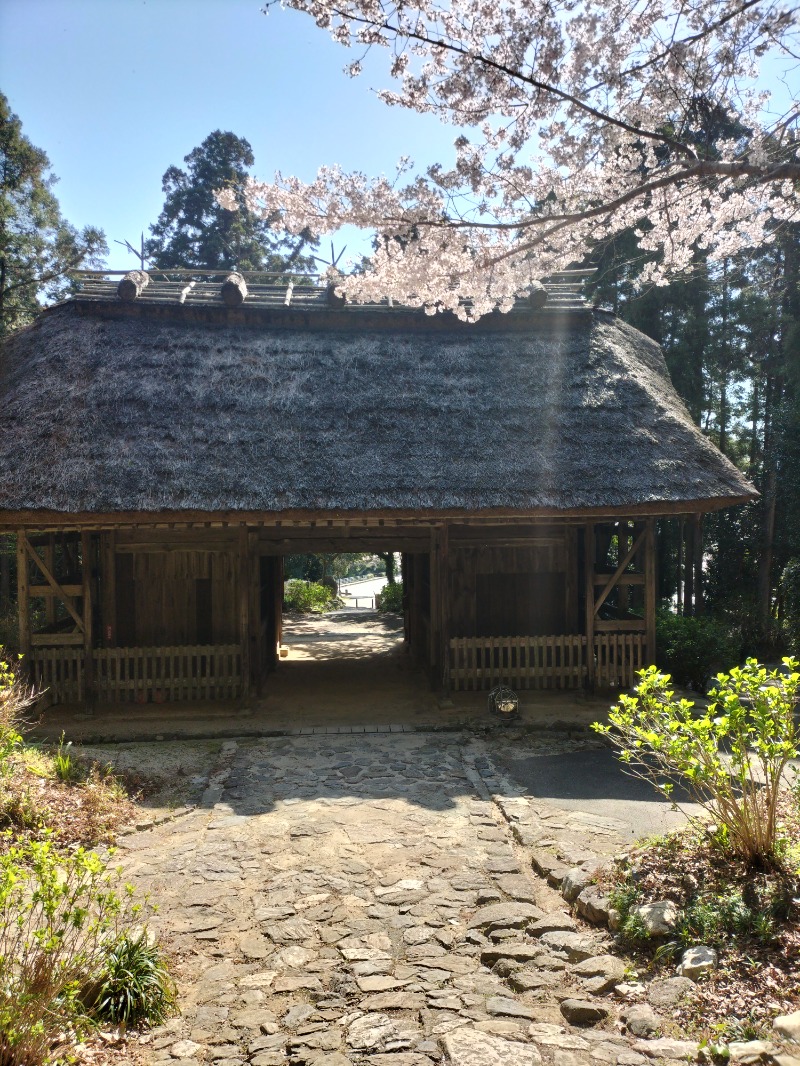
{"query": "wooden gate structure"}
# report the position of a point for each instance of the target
(165, 442)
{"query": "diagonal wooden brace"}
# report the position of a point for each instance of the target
(36, 558)
(601, 599)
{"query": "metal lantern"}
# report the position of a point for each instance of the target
(504, 703)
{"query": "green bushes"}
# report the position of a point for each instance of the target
(730, 758)
(64, 939)
(307, 597)
(690, 649)
(390, 598)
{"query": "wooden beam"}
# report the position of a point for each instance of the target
(650, 590)
(588, 563)
(47, 591)
(42, 520)
(57, 589)
(88, 643)
(601, 599)
(23, 613)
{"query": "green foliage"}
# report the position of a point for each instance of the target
(136, 985)
(689, 649)
(790, 591)
(62, 915)
(38, 248)
(194, 231)
(15, 698)
(307, 597)
(66, 768)
(730, 758)
(390, 598)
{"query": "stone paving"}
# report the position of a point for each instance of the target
(370, 901)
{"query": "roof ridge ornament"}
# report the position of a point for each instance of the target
(234, 290)
(132, 285)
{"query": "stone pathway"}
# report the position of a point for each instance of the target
(370, 901)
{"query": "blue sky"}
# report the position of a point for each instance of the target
(115, 91)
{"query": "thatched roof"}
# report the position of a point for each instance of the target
(106, 407)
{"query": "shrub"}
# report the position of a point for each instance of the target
(730, 759)
(689, 649)
(62, 915)
(390, 598)
(307, 596)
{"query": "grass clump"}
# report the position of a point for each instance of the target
(136, 985)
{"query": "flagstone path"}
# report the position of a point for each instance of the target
(369, 900)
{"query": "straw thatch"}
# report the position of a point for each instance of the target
(147, 411)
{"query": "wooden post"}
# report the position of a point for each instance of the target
(435, 632)
(589, 559)
(108, 542)
(22, 599)
(254, 612)
(244, 609)
(49, 558)
(444, 610)
(88, 648)
(571, 579)
(688, 569)
(650, 589)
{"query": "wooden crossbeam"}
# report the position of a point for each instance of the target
(601, 599)
(57, 589)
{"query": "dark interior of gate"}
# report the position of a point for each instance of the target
(156, 615)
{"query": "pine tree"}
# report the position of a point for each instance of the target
(194, 231)
(38, 248)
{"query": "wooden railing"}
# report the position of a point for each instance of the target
(141, 675)
(557, 662)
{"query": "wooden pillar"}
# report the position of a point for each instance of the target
(86, 593)
(254, 611)
(434, 632)
(444, 615)
(688, 569)
(108, 587)
(49, 558)
(23, 604)
(589, 560)
(277, 600)
(571, 579)
(650, 590)
(244, 609)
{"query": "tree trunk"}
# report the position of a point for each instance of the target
(388, 561)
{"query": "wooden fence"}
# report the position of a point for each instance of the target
(557, 662)
(141, 675)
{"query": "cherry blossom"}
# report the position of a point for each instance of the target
(575, 121)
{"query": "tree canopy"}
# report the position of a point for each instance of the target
(194, 230)
(579, 121)
(38, 248)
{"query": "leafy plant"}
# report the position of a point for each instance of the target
(730, 759)
(307, 596)
(66, 768)
(136, 985)
(390, 598)
(688, 649)
(59, 912)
